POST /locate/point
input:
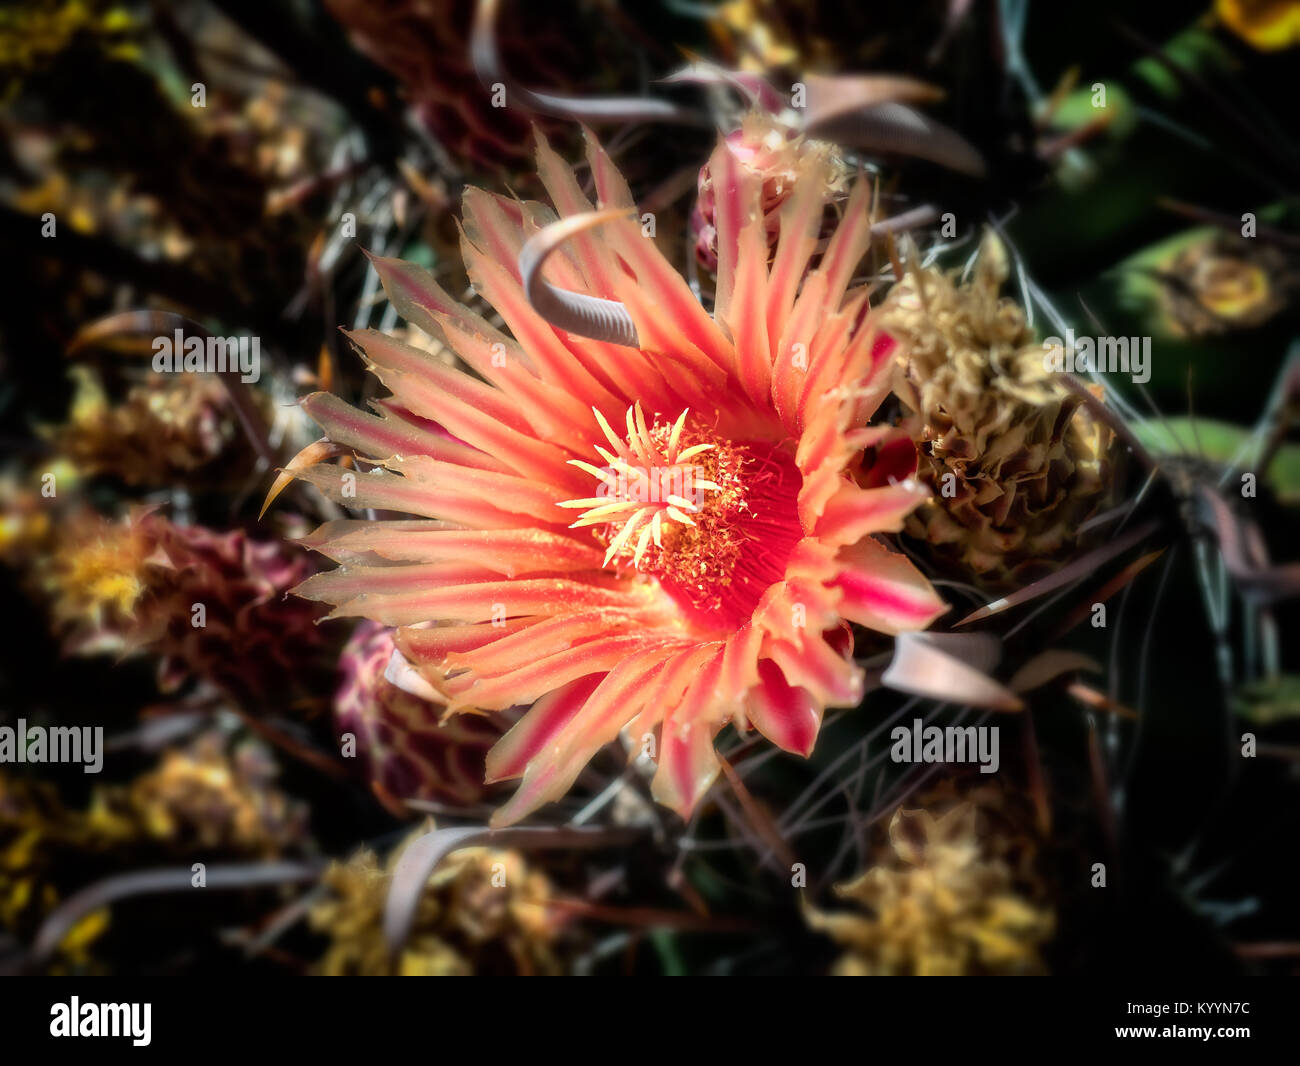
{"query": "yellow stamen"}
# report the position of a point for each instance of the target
(675, 437)
(614, 442)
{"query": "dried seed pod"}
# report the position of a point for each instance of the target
(1014, 463)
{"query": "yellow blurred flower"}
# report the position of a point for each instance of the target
(1222, 283)
(1267, 25)
(482, 912)
(953, 892)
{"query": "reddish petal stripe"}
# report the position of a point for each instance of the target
(449, 448)
(588, 249)
(615, 702)
(546, 638)
(788, 716)
(547, 778)
(699, 381)
(512, 753)
(528, 499)
(793, 352)
(510, 552)
(801, 217)
(555, 361)
(848, 244)
(831, 350)
(688, 765)
(679, 312)
(421, 301)
(869, 363)
(385, 491)
(816, 456)
(430, 647)
(371, 436)
(345, 583)
(494, 224)
(627, 373)
(550, 672)
(747, 315)
(794, 606)
(696, 380)
(813, 665)
(825, 357)
(733, 197)
(471, 422)
(687, 762)
(884, 591)
(611, 187)
(350, 538)
(853, 513)
(551, 412)
(421, 380)
(663, 285)
(471, 410)
(740, 661)
(482, 601)
(680, 669)
(412, 290)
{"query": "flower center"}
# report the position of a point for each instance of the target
(713, 520)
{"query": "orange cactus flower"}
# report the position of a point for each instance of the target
(654, 519)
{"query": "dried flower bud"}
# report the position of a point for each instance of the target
(1014, 463)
